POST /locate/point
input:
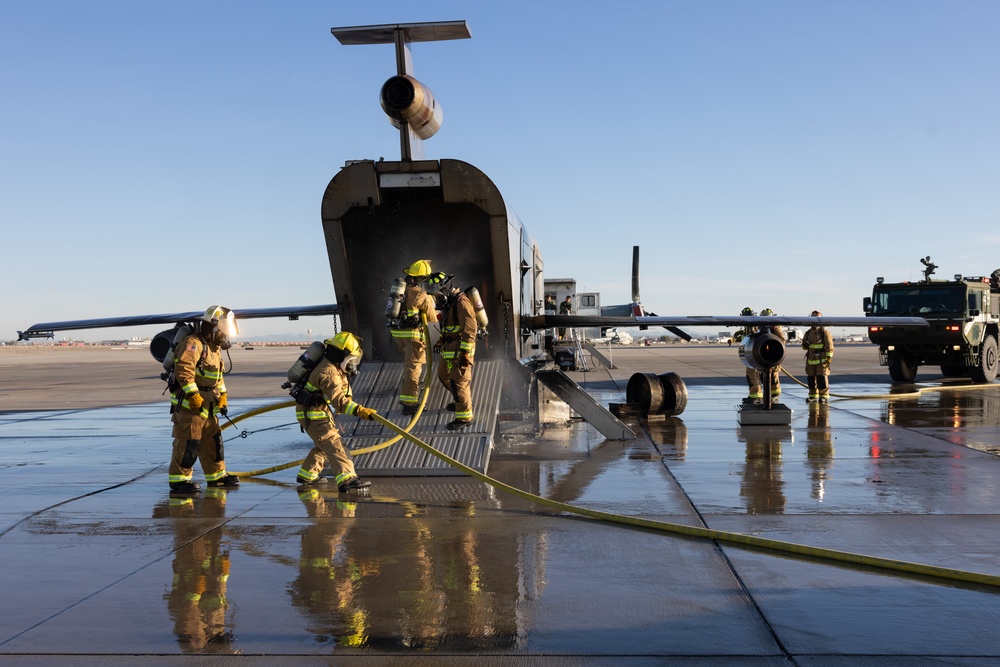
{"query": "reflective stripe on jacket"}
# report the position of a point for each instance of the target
(818, 344)
(417, 301)
(330, 386)
(458, 329)
(198, 368)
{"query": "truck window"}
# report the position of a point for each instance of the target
(976, 300)
(919, 301)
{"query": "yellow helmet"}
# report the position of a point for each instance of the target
(419, 269)
(346, 351)
(345, 341)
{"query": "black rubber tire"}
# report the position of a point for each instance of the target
(675, 393)
(901, 368)
(645, 391)
(954, 371)
(986, 371)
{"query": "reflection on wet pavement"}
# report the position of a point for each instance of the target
(449, 566)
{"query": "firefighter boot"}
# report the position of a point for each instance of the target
(184, 487)
(354, 484)
(228, 481)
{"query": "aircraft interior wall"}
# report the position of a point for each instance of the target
(412, 224)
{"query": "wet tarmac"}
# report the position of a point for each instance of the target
(101, 566)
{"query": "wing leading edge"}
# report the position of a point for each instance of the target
(549, 321)
(48, 329)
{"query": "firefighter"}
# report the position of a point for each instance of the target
(565, 308)
(409, 333)
(818, 344)
(328, 390)
(199, 397)
(775, 372)
(458, 352)
(756, 394)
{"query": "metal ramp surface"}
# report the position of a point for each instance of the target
(377, 386)
(585, 405)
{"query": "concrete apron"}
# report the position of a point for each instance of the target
(99, 561)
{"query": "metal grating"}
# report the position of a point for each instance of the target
(377, 386)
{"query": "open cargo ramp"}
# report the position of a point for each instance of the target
(585, 405)
(377, 386)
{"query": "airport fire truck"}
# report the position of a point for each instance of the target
(963, 314)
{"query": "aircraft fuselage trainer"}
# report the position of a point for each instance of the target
(379, 215)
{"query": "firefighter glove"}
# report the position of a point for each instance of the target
(224, 404)
(365, 413)
(195, 401)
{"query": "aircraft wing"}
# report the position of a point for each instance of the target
(549, 321)
(47, 329)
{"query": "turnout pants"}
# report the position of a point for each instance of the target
(457, 379)
(327, 449)
(196, 438)
(414, 356)
(818, 376)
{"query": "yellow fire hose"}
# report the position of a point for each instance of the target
(352, 452)
(916, 393)
(719, 535)
(821, 553)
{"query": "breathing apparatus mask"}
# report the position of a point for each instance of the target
(344, 350)
(218, 326)
(438, 283)
(440, 288)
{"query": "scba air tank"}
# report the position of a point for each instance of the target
(180, 333)
(306, 362)
(394, 305)
(482, 321)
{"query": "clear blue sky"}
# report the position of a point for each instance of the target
(159, 157)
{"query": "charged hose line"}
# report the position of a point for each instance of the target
(887, 564)
(718, 535)
(916, 393)
(352, 452)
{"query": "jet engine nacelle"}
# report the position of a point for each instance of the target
(163, 342)
(406, 100)
(762, 351)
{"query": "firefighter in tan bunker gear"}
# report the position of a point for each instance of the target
(196, 404)
(458, 353)
(775, 372)
(818, 344)
(754, 383)
(409, 334)
(329, 390)
(756, 391)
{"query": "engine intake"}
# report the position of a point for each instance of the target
(762, 351)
